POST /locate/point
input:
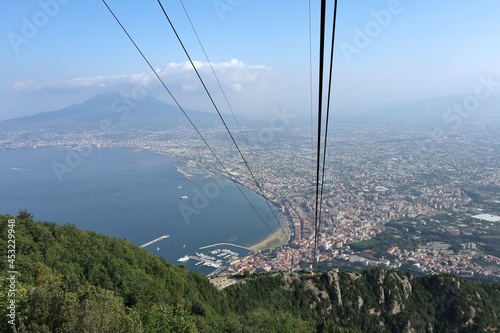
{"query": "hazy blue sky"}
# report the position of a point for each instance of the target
(56, 53)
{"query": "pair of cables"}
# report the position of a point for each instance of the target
(321, 162)
(320, 150)
(213, 103)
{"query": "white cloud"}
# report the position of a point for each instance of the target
(236, 86)
(25, 85)
(249, 88)
(76, 83)
(189, 87)
(178, 76)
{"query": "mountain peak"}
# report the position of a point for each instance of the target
(104, 97)
(145, 112)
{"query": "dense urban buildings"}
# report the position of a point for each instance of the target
(397, 194)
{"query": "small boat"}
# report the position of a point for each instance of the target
(183, 259)
(137, 162)
(179, 186)
(184, 197)
(158, 248)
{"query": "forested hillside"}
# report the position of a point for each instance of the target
(70, 280)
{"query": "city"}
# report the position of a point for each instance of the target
(395, 195)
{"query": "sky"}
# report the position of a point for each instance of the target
(59, 52)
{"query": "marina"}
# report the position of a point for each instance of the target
(218, 259)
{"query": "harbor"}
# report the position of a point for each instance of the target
(218, 259)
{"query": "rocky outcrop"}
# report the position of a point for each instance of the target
(333, 280)
(416, 304)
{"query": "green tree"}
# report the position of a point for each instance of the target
(24, 215)
(166, 319)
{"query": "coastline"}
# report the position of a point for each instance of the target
(277, 238)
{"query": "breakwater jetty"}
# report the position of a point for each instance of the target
(159, 239)
(220, 244)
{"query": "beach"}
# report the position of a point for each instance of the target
(275, 239)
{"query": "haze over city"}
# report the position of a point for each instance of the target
(218, 166)
(57, 53)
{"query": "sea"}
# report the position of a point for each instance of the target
(135, 195)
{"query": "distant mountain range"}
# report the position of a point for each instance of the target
(443, 107)
(112, 110)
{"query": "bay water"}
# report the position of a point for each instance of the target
(135, 195)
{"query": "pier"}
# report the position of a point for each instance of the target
(219, 244)
(159, 239)
(206, 260)
(218, 271)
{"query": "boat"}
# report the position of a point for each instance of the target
(183, 259)
(137, 162)
(179, 186)
(184, 197)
